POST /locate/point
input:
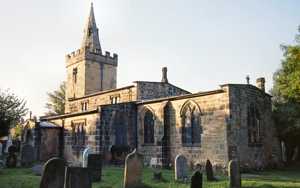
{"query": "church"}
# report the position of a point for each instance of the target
(160, 119)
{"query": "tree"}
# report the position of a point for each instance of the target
(286, 98)
(56, 100)
(12, 108)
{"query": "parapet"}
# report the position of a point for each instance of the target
(93, 55)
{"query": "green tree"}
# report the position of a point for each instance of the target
(56, 100)
(286, 97)
(12, 108)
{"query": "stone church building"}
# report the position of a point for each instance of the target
(160, 119)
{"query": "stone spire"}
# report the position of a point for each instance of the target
(91, 37)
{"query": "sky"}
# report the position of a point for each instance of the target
(203, 43)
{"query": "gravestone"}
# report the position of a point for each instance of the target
(209, 171)
(37, 169)
(234, 174)
(181, 168)
(0, 149)
(94, 164)
(133, 171)
(27, 155)
(11, 160)
(53, 175)
(8, 144)
(196, 180)
(77, 177)
(86, 152)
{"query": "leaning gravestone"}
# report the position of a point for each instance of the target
(53, 173)
(27, 155)
(196, 180)
(86, 152)
(181, 168)
(77, 177)
(94, 164)
(133, 171)
(209, 171)
(234, 174)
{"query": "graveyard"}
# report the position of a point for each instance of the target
(113, 176)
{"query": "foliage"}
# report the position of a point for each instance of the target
(112, 177)
(56, 100)
(286, 97)
(12, 109)
(287, 78)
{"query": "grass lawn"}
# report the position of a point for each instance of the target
(113, 177)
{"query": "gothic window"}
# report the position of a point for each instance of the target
(148, 127)
(254, 126)
(78, 134)
(191, 124)
(75, 75)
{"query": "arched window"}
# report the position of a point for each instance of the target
(254, 126)
(148, 127)
(78, 134)
(191, 124)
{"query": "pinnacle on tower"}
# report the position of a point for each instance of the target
(91, 37)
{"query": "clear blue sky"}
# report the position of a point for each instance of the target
(203, 43)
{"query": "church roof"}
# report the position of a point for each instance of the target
(91, 36)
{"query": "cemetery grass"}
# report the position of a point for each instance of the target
(113, 177)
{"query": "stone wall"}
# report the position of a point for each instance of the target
(266, 151)
(118, 127)
(214, 110)
(91, 121)
(155, 90)
(125, 94)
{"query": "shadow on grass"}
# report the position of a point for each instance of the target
(260, 186)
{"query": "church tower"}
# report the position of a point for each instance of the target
(89, 70)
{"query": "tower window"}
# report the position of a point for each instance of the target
(115, 99)
(75, 75)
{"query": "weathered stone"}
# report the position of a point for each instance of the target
(181, 168)
(95, 166)
(11, 160)
(85, 155)
(8, 144)
(0, 149)
(53, 173)
(37, 169)
(27, 155)
(196, 180)
(133, 171)
(77, 177)
(209, 171)
(234, 174)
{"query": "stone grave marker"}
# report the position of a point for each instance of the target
(27, 155)
(196, 180)
(86, 152)
(234, 174)
(95, 166)
(11, 159)
(133, 171)
(53, 174)
(0, 149)
(8, 144)
(209, 171)
(77, 177)
(181, 168)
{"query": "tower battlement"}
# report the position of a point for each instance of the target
(94, 55)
